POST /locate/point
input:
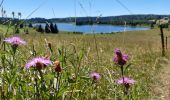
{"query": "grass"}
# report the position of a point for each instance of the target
(79, 55)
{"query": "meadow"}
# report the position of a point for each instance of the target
(77, 56)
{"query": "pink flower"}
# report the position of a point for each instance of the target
(120, 58)
(15, 41)
(38, 62)
(95, 76)
(126, 81)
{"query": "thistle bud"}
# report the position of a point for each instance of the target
(57, 66)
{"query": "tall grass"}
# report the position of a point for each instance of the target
(79, 56)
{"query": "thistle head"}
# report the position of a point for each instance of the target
(120, 58)
(95, 76)
(57, 66)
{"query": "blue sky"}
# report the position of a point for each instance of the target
(66, 8)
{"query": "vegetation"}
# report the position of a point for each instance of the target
(52, 28)
(75, 66)
(132, 20)
(82, 66)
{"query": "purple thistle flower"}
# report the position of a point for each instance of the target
(120, 58)
(95, 76)
(15, 41)
(126, 81)
(38, 62)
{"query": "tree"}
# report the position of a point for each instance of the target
(47, 28)
(52, 28)
(30, 25)
(13, 14)
(19, 15)
(40, 29)
(56, 28)
(21, 25)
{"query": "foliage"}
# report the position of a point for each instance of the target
(79, 55)
(40, 29)
(113, 20)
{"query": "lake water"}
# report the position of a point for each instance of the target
(69, 27)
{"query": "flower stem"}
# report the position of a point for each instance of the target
(122, 72)
(125, 88)
(43, 88)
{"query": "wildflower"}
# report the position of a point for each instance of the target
(57, 66)
(15, 41)
(126, 81)
(95, 76)
(38, 62)
(120, 58)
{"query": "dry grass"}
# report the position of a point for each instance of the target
(143, 48)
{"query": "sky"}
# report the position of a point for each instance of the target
(80, 8)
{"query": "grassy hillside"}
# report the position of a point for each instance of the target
(79, 55)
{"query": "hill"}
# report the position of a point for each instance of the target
(114, 20)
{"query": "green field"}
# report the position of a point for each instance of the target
(79, 55)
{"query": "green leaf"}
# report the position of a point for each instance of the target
(61, 91)
(127, 67)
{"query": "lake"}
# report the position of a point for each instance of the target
(70, 27)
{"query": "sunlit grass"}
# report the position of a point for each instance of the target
(79, 57)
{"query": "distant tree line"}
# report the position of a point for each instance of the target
(131, 23)
(131, 20)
